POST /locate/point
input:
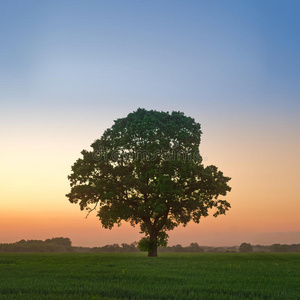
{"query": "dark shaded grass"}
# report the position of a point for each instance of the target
(135, 276)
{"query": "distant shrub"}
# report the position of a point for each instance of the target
(144, 244)
(245, 248)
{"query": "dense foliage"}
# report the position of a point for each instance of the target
(147, 170)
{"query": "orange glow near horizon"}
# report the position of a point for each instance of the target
(263, 197)
(258, 208)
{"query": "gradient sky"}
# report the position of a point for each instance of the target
(68, 69)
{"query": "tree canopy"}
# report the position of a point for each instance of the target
(147, 170)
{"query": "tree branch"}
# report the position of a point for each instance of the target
(91, 209)
(161, 222)
(147, 222)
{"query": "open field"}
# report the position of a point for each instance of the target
(135, 276)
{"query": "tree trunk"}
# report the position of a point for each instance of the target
(152, 251)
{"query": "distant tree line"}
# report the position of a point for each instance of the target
(192, 248)
(60, 244)
(285, 248)
(246, 248)
(114, 248)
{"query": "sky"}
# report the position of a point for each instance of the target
(68, 69)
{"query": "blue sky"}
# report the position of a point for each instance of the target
(143, 52)
(104, 59)
(69, 68)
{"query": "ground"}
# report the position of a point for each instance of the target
(135, 276)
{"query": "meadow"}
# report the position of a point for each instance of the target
(135, 276)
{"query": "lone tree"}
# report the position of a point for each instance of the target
(147, 170)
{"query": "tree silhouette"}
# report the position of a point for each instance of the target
(146, 169)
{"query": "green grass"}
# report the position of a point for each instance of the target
(135, 276)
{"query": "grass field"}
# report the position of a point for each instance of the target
(135, 276)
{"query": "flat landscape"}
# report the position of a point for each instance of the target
(135, 276)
